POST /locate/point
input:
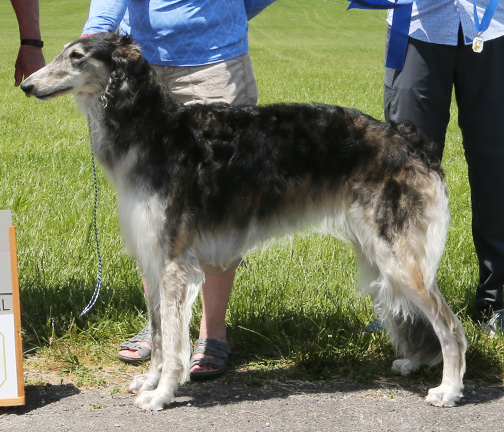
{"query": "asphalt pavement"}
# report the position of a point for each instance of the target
(224, 405)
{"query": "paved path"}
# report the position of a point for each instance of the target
(278, 406)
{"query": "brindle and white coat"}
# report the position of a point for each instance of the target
(201, 186)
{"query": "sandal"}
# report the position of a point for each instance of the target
(219, 352)
(145, 352)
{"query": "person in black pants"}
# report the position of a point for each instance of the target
(421, 93)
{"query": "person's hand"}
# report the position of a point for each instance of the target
(30, 59)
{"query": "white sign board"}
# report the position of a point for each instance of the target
(11, 355)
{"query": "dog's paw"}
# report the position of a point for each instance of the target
(143, 383)
(443, 396)
(154, 400)
(405, 366)
(137, 383)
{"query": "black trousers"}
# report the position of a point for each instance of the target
(421, 93)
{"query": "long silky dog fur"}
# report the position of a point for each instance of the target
(201, 186)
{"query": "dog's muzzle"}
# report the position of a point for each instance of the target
(27, 87)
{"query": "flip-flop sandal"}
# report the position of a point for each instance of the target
(145, 353)
(219, 360)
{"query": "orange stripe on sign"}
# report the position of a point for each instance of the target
(17, 314)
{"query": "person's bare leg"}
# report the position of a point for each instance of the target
(133, 353)
(214, 297)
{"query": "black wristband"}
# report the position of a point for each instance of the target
(33, 42)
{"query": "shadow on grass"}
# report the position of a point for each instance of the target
(314, 343)
(51, 312)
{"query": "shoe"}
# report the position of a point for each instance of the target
(495, 323)
(375, 326)
(133, 345)
(219, 352)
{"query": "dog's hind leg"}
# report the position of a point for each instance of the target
(424, 329)
(405, 252)
(453, 346)
(179, 287)
(415, 314)
(414, 335)
(416, 340)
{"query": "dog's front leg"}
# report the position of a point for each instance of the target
(150, 380)
(179, 286)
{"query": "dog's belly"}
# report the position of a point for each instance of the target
(219, 252)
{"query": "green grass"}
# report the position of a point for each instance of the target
(294, 307)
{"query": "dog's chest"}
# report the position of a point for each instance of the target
(142, 220)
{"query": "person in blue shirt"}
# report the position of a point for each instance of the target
(449, 48)
(199, 50)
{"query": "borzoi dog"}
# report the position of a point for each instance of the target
(201, 186)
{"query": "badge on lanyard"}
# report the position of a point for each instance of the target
(477, 44)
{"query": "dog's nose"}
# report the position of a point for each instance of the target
(27, 87)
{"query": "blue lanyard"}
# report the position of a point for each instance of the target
(377, 4)
(487, 16)
(399, 32)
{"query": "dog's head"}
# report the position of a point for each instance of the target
(86, 65)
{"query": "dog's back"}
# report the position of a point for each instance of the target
(247, 164)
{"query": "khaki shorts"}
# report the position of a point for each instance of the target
(231, 81)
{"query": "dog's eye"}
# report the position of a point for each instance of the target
(76, 55)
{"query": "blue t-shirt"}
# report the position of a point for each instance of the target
(179, 32)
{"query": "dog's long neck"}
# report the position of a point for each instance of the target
(134, 96)
(124, 116)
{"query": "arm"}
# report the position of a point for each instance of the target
(30, 57)
(254, 7)
(105, 16)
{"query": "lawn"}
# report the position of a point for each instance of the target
(294, 310)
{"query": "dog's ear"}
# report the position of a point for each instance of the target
(127, 54)
(129, 72)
